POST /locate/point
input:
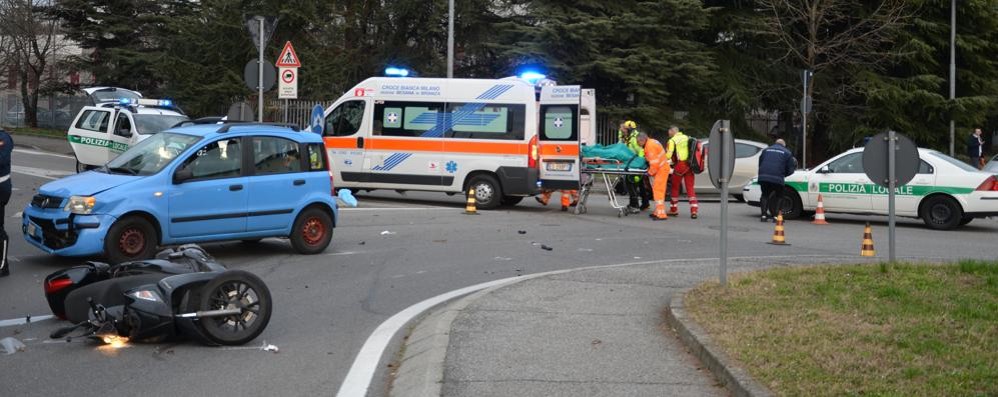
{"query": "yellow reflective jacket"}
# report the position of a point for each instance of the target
(678, 147)
(631, 142)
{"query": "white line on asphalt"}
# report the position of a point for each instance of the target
(39, 172)
(37, 153)
(24, 320)
(397, 208)
(358, 379)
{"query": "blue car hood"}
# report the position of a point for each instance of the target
(86, 184)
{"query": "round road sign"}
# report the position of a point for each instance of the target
(720, 153)
(288, 76)
(906, 160)
(250, 75)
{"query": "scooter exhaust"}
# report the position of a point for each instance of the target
(211, 313)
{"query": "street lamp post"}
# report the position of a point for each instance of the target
(450, 40)
(952, 74)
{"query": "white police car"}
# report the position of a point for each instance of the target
(118, 119)
(945, 193)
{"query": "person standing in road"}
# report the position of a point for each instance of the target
(628, 135)
(679, 152)
(6, 148)
(775, 164)
(569, 198)
(975, 149)
(658, 170)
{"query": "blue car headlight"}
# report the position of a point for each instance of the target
(83, 205)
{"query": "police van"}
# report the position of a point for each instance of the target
(506, 138)
(118, 119)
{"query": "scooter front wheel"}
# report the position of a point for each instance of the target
(235, 289)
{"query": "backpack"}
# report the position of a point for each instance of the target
(697, 156)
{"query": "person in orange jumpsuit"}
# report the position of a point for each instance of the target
(569, 198)
(658, 170)
(677, 150)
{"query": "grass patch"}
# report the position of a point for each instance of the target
(892, 330)
(44, 132)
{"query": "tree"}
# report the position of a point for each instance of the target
(834, 39)
(32, 41)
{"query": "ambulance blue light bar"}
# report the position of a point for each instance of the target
(532, 77)
(396, 72)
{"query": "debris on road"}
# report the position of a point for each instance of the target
(503, 258)
(522, 231)
(269, 348)
(387, 233)
(12, 345)
(362, 243)
(546, 248)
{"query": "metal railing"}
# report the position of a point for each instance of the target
(55, 112)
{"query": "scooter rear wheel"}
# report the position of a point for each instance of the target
(235, 289)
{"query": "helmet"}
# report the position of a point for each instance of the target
(630, 124)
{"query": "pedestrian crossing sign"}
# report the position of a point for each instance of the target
(288, 57)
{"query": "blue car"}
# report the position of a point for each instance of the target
(189, 185)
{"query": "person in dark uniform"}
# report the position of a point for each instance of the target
(775, 164)
(6, 147)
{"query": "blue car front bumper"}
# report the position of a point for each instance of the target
(61, 233)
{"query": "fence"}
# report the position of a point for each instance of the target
(294, 111)
(55, 112)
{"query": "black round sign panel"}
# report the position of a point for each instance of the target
(906, 160)
(250, 76)
(721, 146)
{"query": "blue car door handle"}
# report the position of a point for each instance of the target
(235, 188)
(299, 182)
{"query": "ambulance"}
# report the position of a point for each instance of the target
(118, 119)
(507, 138)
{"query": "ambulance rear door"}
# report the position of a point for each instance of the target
(558, 137)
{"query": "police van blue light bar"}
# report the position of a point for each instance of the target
(396, 72)
(532, 77)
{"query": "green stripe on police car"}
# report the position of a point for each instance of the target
(99, 142)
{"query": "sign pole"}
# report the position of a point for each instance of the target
(259, 99)
(724, 204)
(891, 185)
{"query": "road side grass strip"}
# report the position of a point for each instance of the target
(901, 330)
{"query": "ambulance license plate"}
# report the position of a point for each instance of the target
(559, 166)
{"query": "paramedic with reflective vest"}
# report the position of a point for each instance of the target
(628, 135)
(679, 152)
(658, 169)
(6, 147)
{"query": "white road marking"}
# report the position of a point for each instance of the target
(38, 153)
(18, 215)
(397, 208)
(358, 379)
(24, 320)
(39, 172)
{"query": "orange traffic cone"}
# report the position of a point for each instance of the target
(819, 214)
(470, 209)
(778, 237)
(867, 248)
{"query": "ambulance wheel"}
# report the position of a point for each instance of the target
(130, 238)
(941, 213)
(488, 194)
(511, 200)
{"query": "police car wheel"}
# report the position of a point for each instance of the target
(941, 213)
(791, 205)
(966, 220)
(131, 238)
(488, 194)
(312, 231)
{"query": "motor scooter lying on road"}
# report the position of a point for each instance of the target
(182, 292)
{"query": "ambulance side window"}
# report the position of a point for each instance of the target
(94, 120)
(345, 120)
(409, 119)
(558, 123)
(486, 121)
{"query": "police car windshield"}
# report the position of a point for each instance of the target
(151, 155)
(959, 164)
(152, 123)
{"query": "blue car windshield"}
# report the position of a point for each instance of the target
(151, 155)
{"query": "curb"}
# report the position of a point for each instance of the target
(739, 382)
(421, 368)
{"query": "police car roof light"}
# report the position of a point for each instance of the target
(396, 72)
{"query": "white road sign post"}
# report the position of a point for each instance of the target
(287, 78)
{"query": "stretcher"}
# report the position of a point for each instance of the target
(610, 172)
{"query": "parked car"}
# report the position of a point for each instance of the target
(946, 192)
(746, 167)
(992, 166)
(191, 184)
